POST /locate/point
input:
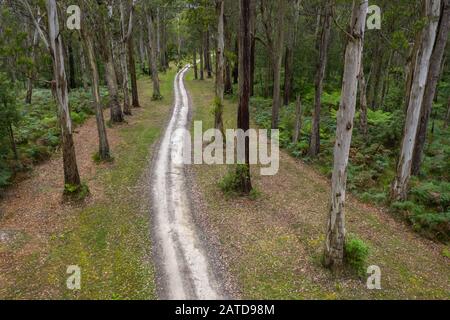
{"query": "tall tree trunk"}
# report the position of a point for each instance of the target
(132, 66)
(431, 85)
(236, 63)
(362, 101)
(13, 142)
(208, 63)
(298, 119)
(228, 87)
(60, 90)
(253, 46)
(447, 117)
(218, 111)
(386, 81)
(276, 53)
(153, 56)
(84, 71)
(322, 44)
(103, 150)
(194, 62)
(399, 190)
(104, 39)
(202, 62)
(335, 236)
(131, 61)
(143, 56)
(376, 78)
(123, 47)
(72, 73)
(30, 79)
(243, 122)
(111, 80)
(289, 58)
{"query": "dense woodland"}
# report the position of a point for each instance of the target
(368, 107)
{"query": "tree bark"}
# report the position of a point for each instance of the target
(275, 40)
(335, 235)
(131, 60)
(376, 76)
(253, 46)
(362, 102)
(447, 117)
(431, 85)
(243, 122)
(195, 63)
(153, 56)
(202, 62)
(218, 111)
(323, 41)
(298, 119)
(30, 79)
(103, 150)
(143, 56)
(60, 90)
(72, 74)
(104, 39)
(289, 58)
(123, 47)
(236, 63)
(208, 63)
(399, 190)
(13, 142)
(228, 89)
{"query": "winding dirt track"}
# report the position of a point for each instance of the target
(183, 269)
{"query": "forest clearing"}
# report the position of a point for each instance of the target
(108, 192)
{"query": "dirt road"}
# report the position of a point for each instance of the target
(183, 269)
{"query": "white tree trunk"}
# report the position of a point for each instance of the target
(399, 189)
(335, 237)
(71, 175)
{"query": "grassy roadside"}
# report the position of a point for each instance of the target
(274, 243)
(109, 238)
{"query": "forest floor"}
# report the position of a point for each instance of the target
(107, 236)
(273, 244)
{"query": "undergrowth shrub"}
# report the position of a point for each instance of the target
(356, 252)
(231, 182)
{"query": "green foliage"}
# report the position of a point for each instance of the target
(76, 193)
(231, 182)
(356, 252)
(9, 117)
(433, 194)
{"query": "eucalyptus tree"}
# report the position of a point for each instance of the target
(426, 41)
(322, 44)
(436, 63)
(218, 111)
(54, 43)
(88, 21)
(335, 234)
